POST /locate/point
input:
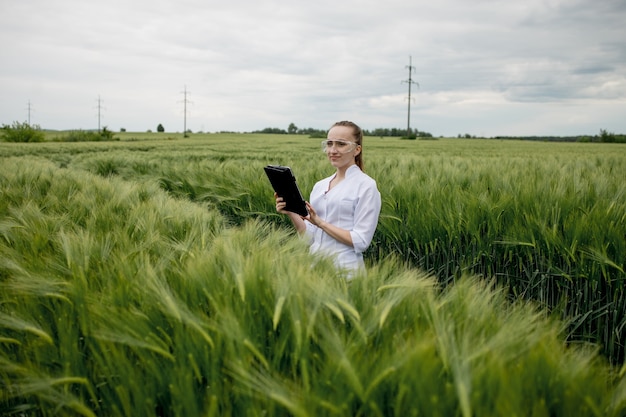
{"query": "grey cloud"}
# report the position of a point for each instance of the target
(592, 69)
(311, 62)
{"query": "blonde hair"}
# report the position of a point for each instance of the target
(358, 139)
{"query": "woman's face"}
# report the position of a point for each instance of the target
(335, 156)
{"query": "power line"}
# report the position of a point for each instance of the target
(409, 82)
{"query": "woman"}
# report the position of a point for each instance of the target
(343, 208)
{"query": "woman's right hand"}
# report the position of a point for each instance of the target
(280, 204)
(296, 219)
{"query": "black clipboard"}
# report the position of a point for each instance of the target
(284, 183)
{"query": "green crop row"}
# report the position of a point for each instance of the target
(547, 220)
(153, 277)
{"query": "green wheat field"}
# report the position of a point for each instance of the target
(151, 276)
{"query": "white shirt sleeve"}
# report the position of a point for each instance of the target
(366, 218)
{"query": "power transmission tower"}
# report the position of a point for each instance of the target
(409, 82)
(29, 110)
(185, 101)
(100, 108)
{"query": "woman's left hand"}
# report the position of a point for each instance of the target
(312, 217)
(335, 232)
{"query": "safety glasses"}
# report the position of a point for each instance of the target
(341, 146)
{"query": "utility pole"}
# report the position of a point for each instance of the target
(29, 109)
(99, 111)
(409, 82)
(185, 101)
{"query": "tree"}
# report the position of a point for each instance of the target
(22, 132)
(606, 137)
(160, 128)
(106, 134)
(292, 129)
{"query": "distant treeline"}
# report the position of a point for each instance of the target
(306, 131)
(603, 137)
(585, 138)
(381, 131)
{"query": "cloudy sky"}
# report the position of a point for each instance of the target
(484, 67)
